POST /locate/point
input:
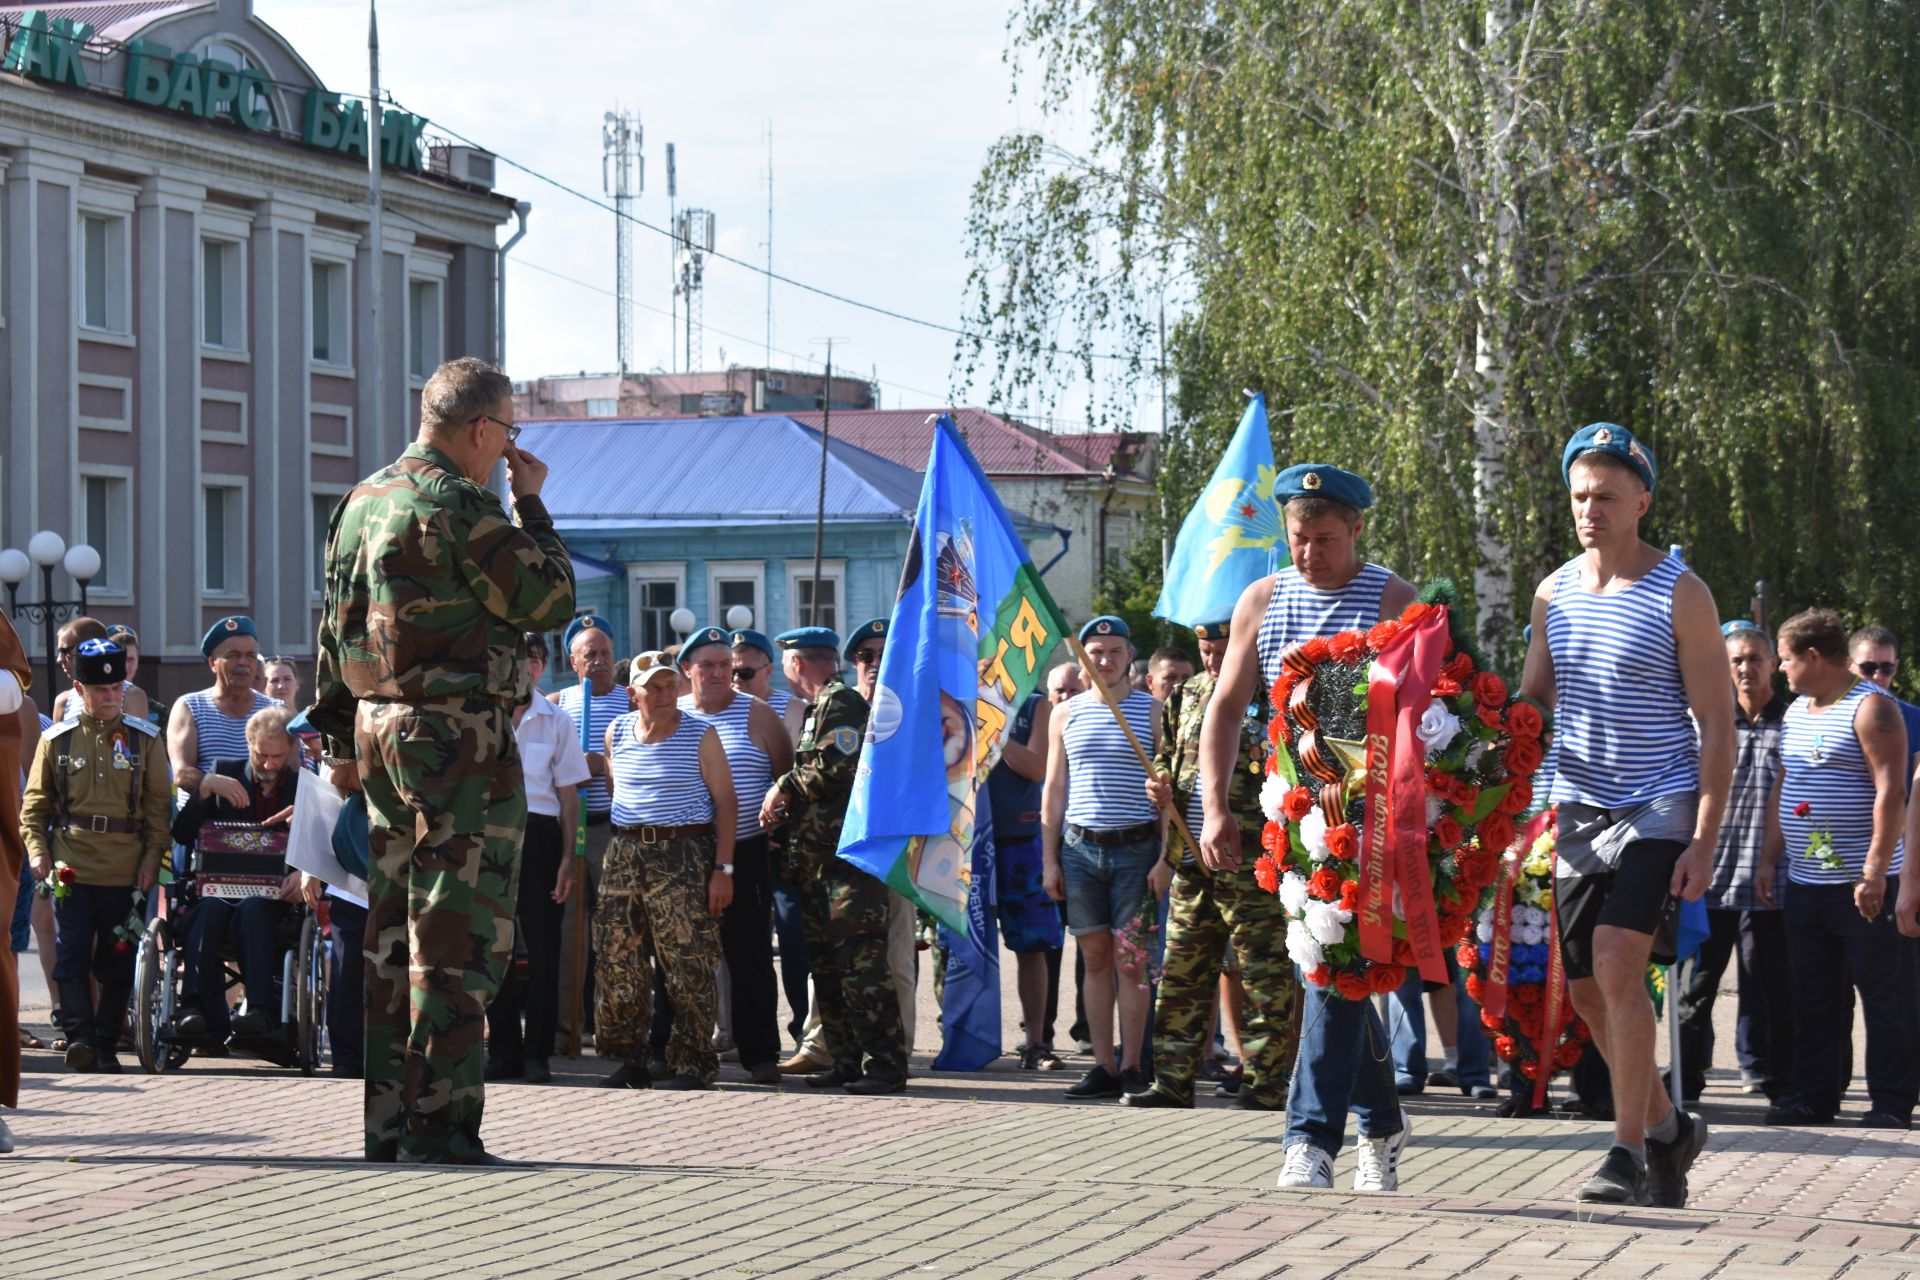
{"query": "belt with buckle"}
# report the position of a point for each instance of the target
(100, 825)
(647, 833)
(1118, 835)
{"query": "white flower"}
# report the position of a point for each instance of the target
(1302, 949)
(1327, 922)
(1272, 792)
(1313, 835)
(1435, 807)
(1438, 727)
(1484, 931)
(1293, 893)
(1528, 935)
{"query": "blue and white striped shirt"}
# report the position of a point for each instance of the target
(1106, 785)
(658, 783)
(751, 769)
(607, 707)
(1623, 729)
(72, 709)
(1300, 611)
(779, 700)
(219, 735)
(1827, 771)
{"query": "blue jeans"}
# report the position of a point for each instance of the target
(1345, 1063)
(1410, 1034)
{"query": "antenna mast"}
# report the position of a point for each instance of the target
(622, 176)
(693, 237)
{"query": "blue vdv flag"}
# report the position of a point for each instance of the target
(970, 1003)
(968, 640)
(1234, 535)
(1690, 928)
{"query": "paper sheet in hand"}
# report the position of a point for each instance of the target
(316, 807)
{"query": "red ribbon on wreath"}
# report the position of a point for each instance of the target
(1393, 850)
(1548, 1050)
(1495, 1002)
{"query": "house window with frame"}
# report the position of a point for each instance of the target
(321, 507)
(330, 312)
(805, 613)
(655, 600)
(728, 592)
(106, 515)
(224, 537)
(223, 312)
(423, 327)
(103, 272)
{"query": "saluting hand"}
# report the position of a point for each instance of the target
(525, 473)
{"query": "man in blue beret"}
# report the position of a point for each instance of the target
(592, 702)
(1627, 651)
(1328, 588)
(212, 724)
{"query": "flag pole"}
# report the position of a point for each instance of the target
(1106, 696)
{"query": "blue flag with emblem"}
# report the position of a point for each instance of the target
(970, 1000)
(968, 640)
(1234, 535)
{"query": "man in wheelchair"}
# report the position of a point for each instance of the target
(254, 917)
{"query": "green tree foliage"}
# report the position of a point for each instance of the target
(1441, 236)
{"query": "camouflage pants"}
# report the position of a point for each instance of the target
(845, 912)
(653, 903)
(447, 808)
(1207, 913)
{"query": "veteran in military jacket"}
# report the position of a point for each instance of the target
(1215, 913)
(94, 819)
(843, 909)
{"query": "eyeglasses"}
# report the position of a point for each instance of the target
(1872, 670)
(66, 648)
(863, 657)
(748, 673)
(511, 428)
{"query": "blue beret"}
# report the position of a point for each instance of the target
(1322, 480)
(704, 636)
(752, 640)
(1743, 627)
(808, 638)
(1105, 626)
(1614, 440)
(99, 662)
(1211, 630)
(870, 629)
(301, 726)
(586, 622)
(226, 629)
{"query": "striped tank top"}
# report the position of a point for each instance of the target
(607, 707)
(751, 769)
(1827, 772)
(1299, 611)
(72, 711)
(658, 783)
(779, 700)
(1106, 787)
(220, 736)
(1623, 730)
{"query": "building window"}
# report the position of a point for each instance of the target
(103, 272)
(729, 592)
(423, 327)
(322, 505)
(330, 312)
(603, 407)
(106, 515)
(223, 312)
(224, 535)
(806, 613)
(654, 602)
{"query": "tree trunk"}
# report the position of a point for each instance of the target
(1493, 335)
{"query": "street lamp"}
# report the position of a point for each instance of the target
(47, 549)
(681, 620)
(739, 616)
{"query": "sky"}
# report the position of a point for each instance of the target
(881, 115)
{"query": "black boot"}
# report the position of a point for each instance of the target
(76, 1021)
(109, 1021)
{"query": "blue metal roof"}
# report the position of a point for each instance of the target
(612, 473)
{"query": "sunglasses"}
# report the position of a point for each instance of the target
(748, 673)
(1871, 670)
(861, 657)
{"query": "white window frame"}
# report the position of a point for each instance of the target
(116, 210)
(119, 532)
(674, 571)
(754, 571)
(603, 406)
(237, 522)
(233, 296)
(341, 259)
(426, 266)
(831, 570)
(317, 537)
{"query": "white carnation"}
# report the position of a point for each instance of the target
(1438, 727)
(1293, 893)
(1484, 930)
(1302, 949)
(1272, 792)
(1327, 922)
(1528, 935)
(1313, 835)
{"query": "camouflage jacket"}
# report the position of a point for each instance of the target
(821, 779)
(430, 589)
(1179, 756)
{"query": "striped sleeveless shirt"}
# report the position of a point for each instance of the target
(658, 783)
(220, 736)
(1300, 611)
(607, 707)
(1106, 787)
(1623, 730)
(1827, 771)
(72, 709)
(779, 700)
(751, 769)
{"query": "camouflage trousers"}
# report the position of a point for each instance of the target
(653, 904)
(845, 913)
(1207, 913)
(447, 809)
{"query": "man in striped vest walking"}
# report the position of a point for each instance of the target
(1626, 648)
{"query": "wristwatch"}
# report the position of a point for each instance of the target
(724, 868)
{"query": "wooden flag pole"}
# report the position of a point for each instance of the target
(1146, 762)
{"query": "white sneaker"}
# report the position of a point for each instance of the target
(1377, 1160)
(6, 1139)
(1306, 1166)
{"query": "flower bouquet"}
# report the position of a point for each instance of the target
(1513, 972)
(1400, 762)
(1133, 945)
(58, 885)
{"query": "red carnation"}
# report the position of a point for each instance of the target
(1492, 1022)
(1465, 794)
(1440, 782)
(1568, 1055)
(1504, 1046)
(1324, 884)
(1458, 668)
(1315, 650)
(1496, 831)
(1468, 955)
(1802, 809)
(1321, 976)
(1282, 688)
(1381, 634)
(1531, 1068)
(1519, 796)
(1383, 978)
(1448, 832)
(1523, 758)
(68, 875)
(1353, 986)
(1414, 613)
(1525, 721)
(1276, 734)
(1349, 896)
(1273, 839)
(1348, 646)
(1297, 804)
(1475, 988)
(1526, 997)
(1488, 714)
(122, 946)
(1266, 873)
(1343, 842)
(1489, 690)
(1403, 951)
(1445, 686)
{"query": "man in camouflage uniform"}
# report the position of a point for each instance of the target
(844, 910)
(1212, 910)
(430, 589)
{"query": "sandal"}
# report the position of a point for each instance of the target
(28, 1040)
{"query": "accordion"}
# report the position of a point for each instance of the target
(235, 860)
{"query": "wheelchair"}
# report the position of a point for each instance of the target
(230, 862)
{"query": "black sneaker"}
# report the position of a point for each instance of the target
(1878, 1119)
(1230, 1086)
(1097, 1083)
(1668, 1162)
(1151, 1097)
(1041, 1057)
(628, 1075)
(503, 1071)
(1620, 1179)
(1134, 1080)
(1797, 1111)
(831, 1078)
(1444, 1078)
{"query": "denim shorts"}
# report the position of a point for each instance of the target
(1106, 884)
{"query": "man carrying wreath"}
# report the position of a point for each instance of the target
(1626, 649)
(1344, 1051)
